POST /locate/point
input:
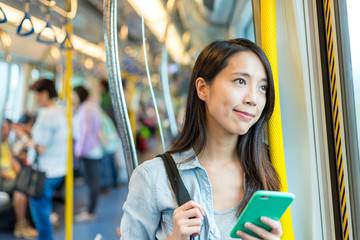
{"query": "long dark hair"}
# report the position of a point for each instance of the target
(251, 149)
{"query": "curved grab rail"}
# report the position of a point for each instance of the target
(20, 29)
(3, 20)
(49, 27)
(115, 84)
(149, 80)
(166, 92)
(165, 81)
(66, 44)
(72, 6)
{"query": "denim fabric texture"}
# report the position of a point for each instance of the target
(150, 204)
(42, 207)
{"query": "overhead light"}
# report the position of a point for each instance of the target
(170, 5)
(88, 63)
(5, 39)
(15, 16)
(124, 31)
(174, 45)
(55, 53)
(156, 18)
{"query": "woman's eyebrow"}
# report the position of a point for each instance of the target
(244, 74)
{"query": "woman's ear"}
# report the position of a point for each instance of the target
(201, 88)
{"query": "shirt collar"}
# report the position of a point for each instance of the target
(186, 160)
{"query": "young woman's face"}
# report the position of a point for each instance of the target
(237, 95)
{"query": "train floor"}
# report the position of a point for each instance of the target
(109, 212)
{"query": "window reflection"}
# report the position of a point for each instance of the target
(13, 104)
(353, 8)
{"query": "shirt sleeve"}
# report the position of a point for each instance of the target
(141, 213)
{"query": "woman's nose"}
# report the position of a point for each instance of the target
(250, 97)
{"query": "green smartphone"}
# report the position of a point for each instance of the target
(270, 204)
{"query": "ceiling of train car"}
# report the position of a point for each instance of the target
(198, 22)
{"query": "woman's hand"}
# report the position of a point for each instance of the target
(275, 233)
(187, 221)
(19, 130)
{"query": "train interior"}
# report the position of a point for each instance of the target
(318, 68)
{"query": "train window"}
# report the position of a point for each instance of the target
(13, 102)
(353, 19)
(353, 8)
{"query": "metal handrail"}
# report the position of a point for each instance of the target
(66, 14)
(115, 84)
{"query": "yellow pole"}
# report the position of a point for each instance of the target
(132, 114)
(70, 173)
(268, 41)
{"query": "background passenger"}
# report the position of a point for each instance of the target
(220, 152)
(19, 148)
(9, 170)
(86, 133)
(111, 138)
(9, 167)
(49, 137)
(105, 101)
(110, 142)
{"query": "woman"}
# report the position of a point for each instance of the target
(49, 141)
(9, 169)
(220, 154)
(87, 129)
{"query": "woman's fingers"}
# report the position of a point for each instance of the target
(18, 130)
(188, 220)
(274, 234)
(275, 226)
(189, 205)
(183, 220)
(194, 222)
(187, 231)
(189, 210)
(192, 213)
(245, 236)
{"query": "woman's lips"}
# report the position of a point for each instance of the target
(245, 115)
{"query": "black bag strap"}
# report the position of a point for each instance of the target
(178, 186)
(35, 164)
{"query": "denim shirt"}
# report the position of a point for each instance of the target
(150, 204)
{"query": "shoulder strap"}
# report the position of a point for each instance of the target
(35, 164)
(178, 186)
